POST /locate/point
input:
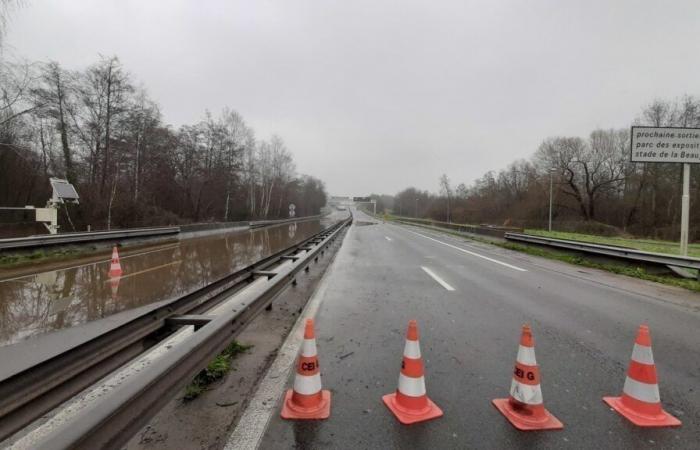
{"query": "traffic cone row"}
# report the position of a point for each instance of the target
(524, 408)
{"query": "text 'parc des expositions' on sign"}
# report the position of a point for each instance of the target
(665, 145)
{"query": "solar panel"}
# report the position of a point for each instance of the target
(63, 190)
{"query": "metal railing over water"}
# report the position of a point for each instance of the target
(118, 235)
(118, 414)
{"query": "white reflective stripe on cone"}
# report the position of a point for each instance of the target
(526, 355)
(308, 348)
(524, 393)
(642, 354)
(307, 384)
(411, 349)
(642, 391)
(413, 387)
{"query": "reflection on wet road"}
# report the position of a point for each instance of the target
(59, 299)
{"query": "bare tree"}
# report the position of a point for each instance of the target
(54, 96)
(446, 190)
(587, 168)
(236, 134)
(108, 138)
(16, 101)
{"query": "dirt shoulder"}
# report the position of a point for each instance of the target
(205, 422)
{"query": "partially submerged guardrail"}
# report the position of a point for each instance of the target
(627, 254)
(122, 412)
(31, 242)
(265, 223)
(82, 238)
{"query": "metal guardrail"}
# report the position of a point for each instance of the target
(48, 240)
(485, 230)
(608, 250)
(265, 223)
(92, 236)
(30, 393)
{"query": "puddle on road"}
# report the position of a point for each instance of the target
(63, 298)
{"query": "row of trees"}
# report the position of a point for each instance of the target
(595, 186)
(99, 129)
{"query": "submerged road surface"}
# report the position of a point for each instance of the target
(59, 299)
(470, 301)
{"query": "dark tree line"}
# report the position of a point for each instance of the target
(97, 128)
(595, 186)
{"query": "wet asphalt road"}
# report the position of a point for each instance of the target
(584, 323)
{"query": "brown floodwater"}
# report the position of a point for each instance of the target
(57, 299)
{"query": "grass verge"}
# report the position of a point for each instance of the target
(19, 260)
(621, 269)
(216, 370)
(647, 245)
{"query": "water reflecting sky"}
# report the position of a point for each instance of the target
(62, 298)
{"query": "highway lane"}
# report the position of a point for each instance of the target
(584, 323)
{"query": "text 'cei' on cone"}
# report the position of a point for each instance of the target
(307, 400)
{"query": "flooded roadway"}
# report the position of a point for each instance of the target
(57, 299)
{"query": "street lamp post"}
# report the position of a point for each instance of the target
(551, 184)
(416, 208)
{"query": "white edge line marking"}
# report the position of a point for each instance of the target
(387, 238)
(440, 281)
(470, 253)
(150, 269)
(252, 425)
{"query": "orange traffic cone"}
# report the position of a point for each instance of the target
(115, 269)
(640, 402)
(525, 408)
(409, 403)
(306, 400)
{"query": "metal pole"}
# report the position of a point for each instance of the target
(550, 199)
(685, 207)
(416, 208)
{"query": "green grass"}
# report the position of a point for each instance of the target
(648, 245)
(18, 260)
(636, 272)
(215, 370)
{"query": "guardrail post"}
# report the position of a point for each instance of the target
(685, 207)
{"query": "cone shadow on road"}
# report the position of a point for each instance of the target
(305, 434)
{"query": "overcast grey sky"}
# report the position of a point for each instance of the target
(375, 96)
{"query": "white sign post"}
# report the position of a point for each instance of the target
(292, 210)
(669, 145)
